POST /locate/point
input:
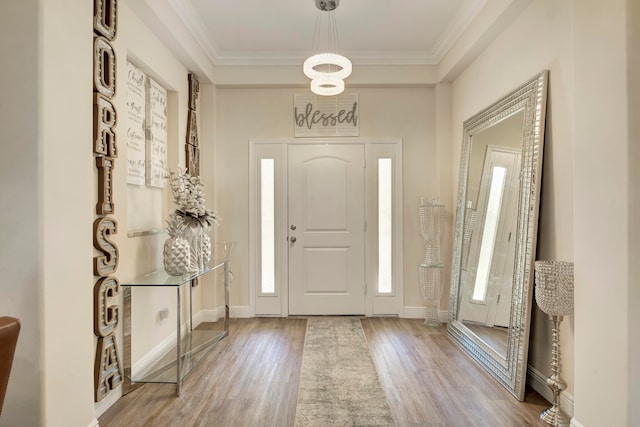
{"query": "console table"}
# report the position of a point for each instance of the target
(191, 346)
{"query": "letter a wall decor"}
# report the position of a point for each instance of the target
(108, 370)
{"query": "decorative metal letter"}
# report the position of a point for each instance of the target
(108, 374)
(104, 67)
(192, 129)
(105, 204)
(191, 147)
(107, 371)
(103, 228)
(104, 120)
(105, 306)
(104, 17)
(193, 160)
(194, 88)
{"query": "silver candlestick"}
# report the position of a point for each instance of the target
(554, 296)
(432, 216)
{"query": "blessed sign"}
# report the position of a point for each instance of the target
(326, 115)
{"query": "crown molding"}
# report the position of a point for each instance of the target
(456, 28)
(189, 17)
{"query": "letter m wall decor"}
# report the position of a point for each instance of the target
(326, 115)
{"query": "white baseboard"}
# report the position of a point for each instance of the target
(538, 382)
(575, 423)
(419, 312)
(213, 315)
(94, 423)
(240, 312)
(111, 398)
(146, 361)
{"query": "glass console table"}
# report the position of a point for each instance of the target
(191, 346)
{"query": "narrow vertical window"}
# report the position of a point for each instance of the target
(385, 221)
(267, 227)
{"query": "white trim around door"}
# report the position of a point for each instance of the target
(268, 233)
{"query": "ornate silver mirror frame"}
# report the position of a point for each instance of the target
(509, 248)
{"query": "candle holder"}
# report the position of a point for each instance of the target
(554, 296)
(430, 271)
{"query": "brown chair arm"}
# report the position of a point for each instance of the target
(9, 330)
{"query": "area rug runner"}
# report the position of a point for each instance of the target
(339, 385)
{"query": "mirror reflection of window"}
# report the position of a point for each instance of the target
(496, 191)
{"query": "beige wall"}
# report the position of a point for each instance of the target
(244, 114)
(19, 251)
(19, 259)
(605, 198)
(47, 168)
(65, 169)
(633, 70)
(519, 53)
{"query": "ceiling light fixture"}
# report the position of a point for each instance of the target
(327, 85)
(327, 70)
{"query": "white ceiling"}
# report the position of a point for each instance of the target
(234, 32)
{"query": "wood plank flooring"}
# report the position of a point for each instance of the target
(251, 379)
(429, 381)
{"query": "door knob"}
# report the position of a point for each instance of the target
(293, 239)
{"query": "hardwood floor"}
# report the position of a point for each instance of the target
(251, 379)
(429, 381)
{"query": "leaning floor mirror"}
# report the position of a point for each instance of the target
(495, 233)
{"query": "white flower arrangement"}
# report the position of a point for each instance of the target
(188, 195)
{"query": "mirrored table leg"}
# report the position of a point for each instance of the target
(128, 386)
(178, 332)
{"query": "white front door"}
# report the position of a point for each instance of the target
(326, 229)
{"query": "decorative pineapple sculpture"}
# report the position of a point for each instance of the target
(188, 226)
(176, 253)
